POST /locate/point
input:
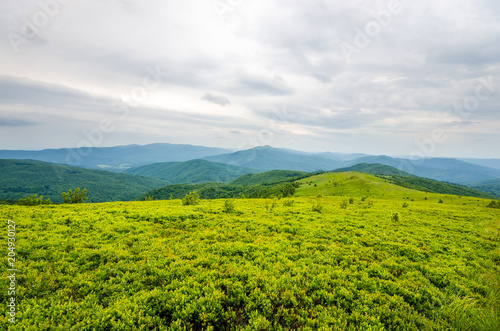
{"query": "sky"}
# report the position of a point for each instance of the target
(395, 77)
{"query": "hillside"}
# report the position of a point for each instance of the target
(489, 186)
(441, 169)
(266, 158)
(116, 158)
(379, 186)
(410, 181)
(20, 178)
(272, 176)
(191, 172)
(353, 184)
(267, 265)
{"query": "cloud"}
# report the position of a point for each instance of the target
(259, 57)
(222, 101)
(14, 122)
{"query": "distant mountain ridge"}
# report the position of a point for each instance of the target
(262, 158)
(267, 158)
(117, 158)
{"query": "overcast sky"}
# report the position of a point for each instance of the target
(379, 77)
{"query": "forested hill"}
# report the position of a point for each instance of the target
(20, 178)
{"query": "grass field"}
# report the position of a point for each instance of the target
(352, 184)
(310, 263)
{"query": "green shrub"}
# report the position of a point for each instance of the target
(288, 203)
(75, 196)
(405, 205)
(33, 200)
(228, 206)
(395, 217)
(494, 204)
(317, 206)
(191, 199)
(344, 204)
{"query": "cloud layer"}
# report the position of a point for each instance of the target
(363, 76)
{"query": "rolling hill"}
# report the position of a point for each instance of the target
(489, 186)
(386, 185)
(20, 178)
(116, 158)
(267, 158)
(191, 172)
(374, 169)
(441, 169)
(351, 183)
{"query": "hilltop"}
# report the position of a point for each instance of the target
(381, 186)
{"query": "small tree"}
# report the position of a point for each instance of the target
(191, 199)
(75, 196)
(228, 206)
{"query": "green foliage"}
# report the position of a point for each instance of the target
(288, 203)
(429, 185)
(344, 204)
(440, 201)
(148, 198)
(405, 205)
(494, 204)
(351, 201)
(395, 217)
(20, 178)
(269, 177)
(223, 191)
(191, 199)
(159, 265)
(317, 206)
(33, 200)
(75, 196)
(228, 206)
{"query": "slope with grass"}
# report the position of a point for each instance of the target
(191, 172)
(293, 264)
(366, 184)
(20, 178)
(351, 184)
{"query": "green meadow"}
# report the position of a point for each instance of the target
(348, 252)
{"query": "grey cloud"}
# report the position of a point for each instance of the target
(15, 122)
(222, 101)
(15, 91)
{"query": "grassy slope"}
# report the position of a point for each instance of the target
(20, 178)
(361, 184)
(351, 184)
(143, 265)
(191, 172)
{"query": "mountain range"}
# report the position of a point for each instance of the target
(172, 164)
(116, 158)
